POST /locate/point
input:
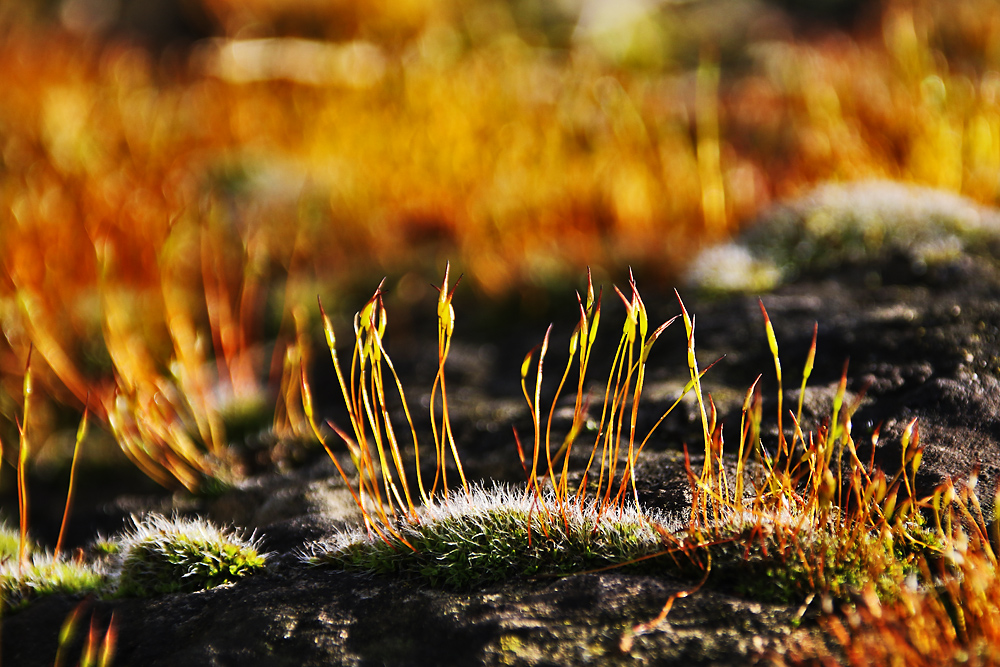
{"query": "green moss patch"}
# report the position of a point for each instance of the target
(42, 575)
(157, 555)
(162, 555)
(489, 536)
(771, 564)
(494, 535)
(9, 542)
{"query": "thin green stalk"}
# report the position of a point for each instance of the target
(536, 410)
(581, 490)
(590, 316)
(806, 372)
(556, 484)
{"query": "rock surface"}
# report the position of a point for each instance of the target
(923, 340)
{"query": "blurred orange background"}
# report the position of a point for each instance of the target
(179, 180)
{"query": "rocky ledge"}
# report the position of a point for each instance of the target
(921, 331)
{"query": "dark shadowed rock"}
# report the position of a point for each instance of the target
(308, 616)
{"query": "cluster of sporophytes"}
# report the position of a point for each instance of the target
(486, 532)
(945, 612)
(802, 521)
(157, 555)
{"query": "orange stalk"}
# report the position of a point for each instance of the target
(22, 466)
(81, 433)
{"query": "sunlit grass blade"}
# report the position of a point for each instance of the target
(535, 405)
(746, 432)
(835, 435)
(590, 317)
(696, 379)
(558, 484)
(806, 372)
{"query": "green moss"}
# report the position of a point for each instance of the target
(41, 573)
(158, 555)
(9, 541)
(787, 569)
(44, 575)
(496, 535)
(493, 535)
(162, 555)
(102, 547)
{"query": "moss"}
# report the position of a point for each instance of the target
(43, 575)
(788, 569)
(102, 547)
(498, 534)
(158, 555)
(490, 536)
(162, 555)
(9, 541)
